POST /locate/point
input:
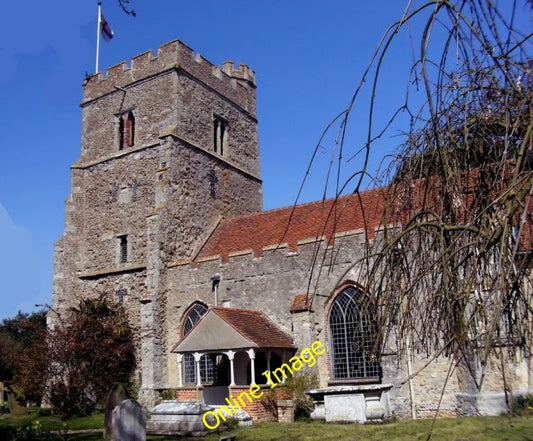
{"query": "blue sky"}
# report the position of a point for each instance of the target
(308, 56)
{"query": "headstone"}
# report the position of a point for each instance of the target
(129, 422)
(15, 408)
(117, 395)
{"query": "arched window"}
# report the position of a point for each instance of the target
(120, 133)
(129, 130)
(195, 312)
(126, 130)
(220, 133)
(352, 337)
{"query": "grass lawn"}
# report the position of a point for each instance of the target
(53, 422)
(449, 429)
(460, 429)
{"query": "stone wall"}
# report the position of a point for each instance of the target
(269, 282)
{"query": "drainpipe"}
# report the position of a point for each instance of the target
(410, 373)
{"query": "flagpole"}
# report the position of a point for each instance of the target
(99, 24)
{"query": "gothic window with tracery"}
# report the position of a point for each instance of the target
(352, 337)
(206, 363)
(193, 315)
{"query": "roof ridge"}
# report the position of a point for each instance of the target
(245, 331)
(303, 204)
(224, 308)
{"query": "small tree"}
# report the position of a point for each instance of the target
(89, 352)
(23, 355)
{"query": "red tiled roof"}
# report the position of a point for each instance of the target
(292, 224)
(255, 326)
(366, 210)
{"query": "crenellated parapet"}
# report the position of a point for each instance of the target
(348, 241)
(237, 84)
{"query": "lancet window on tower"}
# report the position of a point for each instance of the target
(220, 133)
(352, 337)
(126, 130)
(123, 248)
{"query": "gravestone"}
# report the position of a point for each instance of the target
(129, 422)
(15, 408)
(117, 395)
(3, 391)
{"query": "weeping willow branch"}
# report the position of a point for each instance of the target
(450, 266)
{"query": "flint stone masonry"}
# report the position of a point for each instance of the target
(129, 422)
(172, 56)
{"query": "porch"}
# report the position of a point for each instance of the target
(227, 351)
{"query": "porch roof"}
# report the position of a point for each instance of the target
(232, 328)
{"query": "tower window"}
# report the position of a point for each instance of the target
(220, 133)
(126, 130)
(121, 133)
(123, 249)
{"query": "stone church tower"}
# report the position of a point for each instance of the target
(169, 145)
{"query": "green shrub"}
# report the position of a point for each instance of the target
(167, 394)
(294, 389)
(90, 350)
(4, 408)
(270, 403)
(45, 411)
(297, 385)
(522, 405)
(231, 423)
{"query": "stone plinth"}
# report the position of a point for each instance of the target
(285, 411)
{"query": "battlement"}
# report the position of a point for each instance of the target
(305, 247)
(174, 55)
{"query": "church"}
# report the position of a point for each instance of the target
(165, 216)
